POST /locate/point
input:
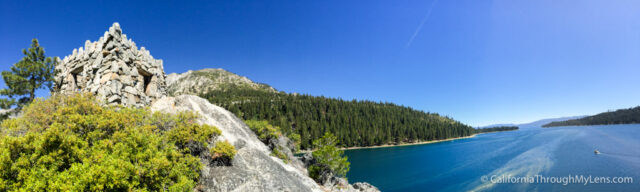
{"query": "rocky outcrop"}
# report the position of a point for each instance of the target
(252, 169)
(205, 80)
(192, 82)
(326, 178)
(114, 69)
(334, 183)
(287, 147)
(365, 187)
(117, 72)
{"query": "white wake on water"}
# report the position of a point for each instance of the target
(528, 164)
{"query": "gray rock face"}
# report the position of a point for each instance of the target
(286, 146)
(205, 80)
(114, 70)
(252, 169)
(365, 187)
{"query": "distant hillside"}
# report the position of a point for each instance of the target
(621, 116)
(355, 123)
(541, 122)
(205, 80)
(534, 124)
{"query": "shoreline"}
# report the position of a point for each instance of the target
(408, 144)
(399, 145)
(590, 125)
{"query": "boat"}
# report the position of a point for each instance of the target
(596, 152)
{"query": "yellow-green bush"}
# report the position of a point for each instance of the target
(269, 134)
(223, 152)
(264, 130)
(70, 143)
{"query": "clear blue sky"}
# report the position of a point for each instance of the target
(480, 62)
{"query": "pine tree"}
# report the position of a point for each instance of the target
(329, 159)
(34, 71)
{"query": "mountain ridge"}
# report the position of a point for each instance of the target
(536, 123)
(620, 116)
(209, 79)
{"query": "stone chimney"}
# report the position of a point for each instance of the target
(114, 70)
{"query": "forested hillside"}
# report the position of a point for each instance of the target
(621, 116)
(355, 123)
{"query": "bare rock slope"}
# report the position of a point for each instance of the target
(252, 168)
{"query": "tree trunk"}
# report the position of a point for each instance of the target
(32, 92)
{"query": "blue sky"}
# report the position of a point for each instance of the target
(480, 62)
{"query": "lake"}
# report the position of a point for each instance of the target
(523, 159)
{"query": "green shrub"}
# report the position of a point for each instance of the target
(279, 154)
(223, 152)
(328, 158)
(264, 130)
(268, 133)
(295, 138)
(192, 138)
(70, 143)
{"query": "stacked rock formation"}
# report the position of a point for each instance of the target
(114, 70)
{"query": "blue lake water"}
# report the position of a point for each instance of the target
(551, 153)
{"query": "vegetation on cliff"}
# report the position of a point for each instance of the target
(621, 116)
(223, 152)
(328, 158)
(264, 130)
(270, 136)
(71, 143)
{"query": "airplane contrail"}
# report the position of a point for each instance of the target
(424, 20)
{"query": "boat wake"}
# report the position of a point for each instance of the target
(528, 164)
(619, 154)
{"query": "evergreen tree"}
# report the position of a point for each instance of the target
(328, 158)
(34, 71)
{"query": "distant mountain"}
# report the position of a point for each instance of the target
(621, 116)
(206, 80)
(534, 124)
(541, 122)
